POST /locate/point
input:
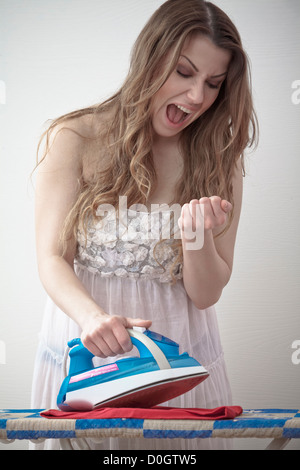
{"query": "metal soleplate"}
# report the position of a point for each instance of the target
(154, 394)
(139, 390)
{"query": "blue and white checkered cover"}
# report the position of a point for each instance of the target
(259, 423)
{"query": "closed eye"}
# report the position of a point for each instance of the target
(185, 75)
(214, 87)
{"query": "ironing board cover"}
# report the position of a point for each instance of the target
(263, 423)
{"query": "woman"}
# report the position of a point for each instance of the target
(174, 133)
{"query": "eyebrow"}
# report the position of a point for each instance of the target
(195, 68)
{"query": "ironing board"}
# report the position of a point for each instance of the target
(281, 425)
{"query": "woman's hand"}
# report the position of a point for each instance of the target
(200, 216)
(106, 335)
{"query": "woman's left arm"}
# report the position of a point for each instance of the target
(208, 261)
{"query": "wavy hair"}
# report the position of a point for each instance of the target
(210, 146)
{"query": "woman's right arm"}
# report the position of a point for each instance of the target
(57, 188)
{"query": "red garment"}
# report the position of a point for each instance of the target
(157, 412)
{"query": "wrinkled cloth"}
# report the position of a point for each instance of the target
(157, 412)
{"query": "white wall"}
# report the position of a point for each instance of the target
(59, 55)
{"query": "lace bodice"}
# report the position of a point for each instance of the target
(128, 246)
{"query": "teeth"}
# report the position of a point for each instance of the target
(185, 110)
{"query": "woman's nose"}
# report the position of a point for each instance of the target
(195, 93)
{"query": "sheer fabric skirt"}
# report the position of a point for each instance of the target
(173, 315)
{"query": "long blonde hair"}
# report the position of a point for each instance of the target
(210, 146)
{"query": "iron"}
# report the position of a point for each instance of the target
(159, 374)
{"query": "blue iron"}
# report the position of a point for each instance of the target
(159, 374)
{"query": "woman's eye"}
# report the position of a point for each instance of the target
(214, 87)
(183, 74)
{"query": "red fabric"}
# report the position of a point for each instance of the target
(157, 412)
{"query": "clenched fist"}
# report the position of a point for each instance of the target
(199, 216)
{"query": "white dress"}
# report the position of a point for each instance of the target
(127, 275)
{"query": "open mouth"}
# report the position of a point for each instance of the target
(177, 114)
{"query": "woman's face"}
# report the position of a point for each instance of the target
(191, 88)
